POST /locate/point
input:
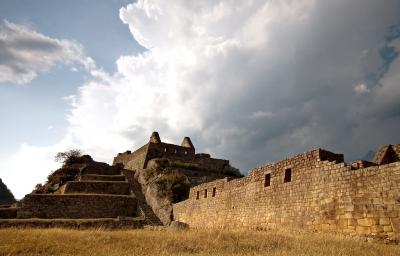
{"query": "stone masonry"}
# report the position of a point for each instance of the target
(95, 193)
(314, 190)
(155, 148)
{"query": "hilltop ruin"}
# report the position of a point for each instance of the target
(140, 185)
(160, 183)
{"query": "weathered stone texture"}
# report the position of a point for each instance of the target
(77, 206)
(117, 223)
(8, 213)
(324, 193)
(155, 148)
(97, 187)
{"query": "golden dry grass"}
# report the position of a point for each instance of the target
(192, 242)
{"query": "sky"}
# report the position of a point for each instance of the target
(249, 81)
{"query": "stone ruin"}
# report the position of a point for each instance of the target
(138, 189)
(314, 190)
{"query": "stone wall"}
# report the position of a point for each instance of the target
(313, 190)
(118, 223)
(211, 163)
(76, 206)
(97, 187)
(157, 150)
(132, 160)
(8, 213)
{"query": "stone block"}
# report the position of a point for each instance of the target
(384, 221)
(395, 224)
(365, 222)
(387, 229)
(377, 229)
(363, 230)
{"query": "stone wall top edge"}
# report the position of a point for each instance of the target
(132, 153)
(294, 157)
(78, 195)
(212, 183)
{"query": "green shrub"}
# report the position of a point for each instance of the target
(231, 171)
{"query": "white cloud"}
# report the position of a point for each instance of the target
(361, 89)
(24, 53)
(213, 68)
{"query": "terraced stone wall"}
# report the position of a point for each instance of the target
(315, 190)
(97, 187)
(77, 206)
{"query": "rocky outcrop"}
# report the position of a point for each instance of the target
(157, 197)
(6, 197)
(165, 182)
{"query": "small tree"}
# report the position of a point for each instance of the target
(68, 157)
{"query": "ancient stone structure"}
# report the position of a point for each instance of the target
(141, 183)
(182, 160)
(315, 190)
(95, 193)
(157, 149)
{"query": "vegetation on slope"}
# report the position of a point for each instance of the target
(228, 170)
(192, 242)
(73, 163)
(6, 197)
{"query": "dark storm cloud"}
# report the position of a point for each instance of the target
(254, 82)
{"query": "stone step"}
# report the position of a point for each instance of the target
(103, 223)
(101, 170)
(97, 177)
(77, 206)
(8, 213)
(97, 187)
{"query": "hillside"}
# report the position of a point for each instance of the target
(6, 197)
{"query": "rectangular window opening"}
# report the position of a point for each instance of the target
(198, 195)
(288, 175)
(267, 180)
(214, 192)
(205, 193)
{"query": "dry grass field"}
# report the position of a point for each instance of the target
(192, 242)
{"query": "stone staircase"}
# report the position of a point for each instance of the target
(143, 208)
(97, 193)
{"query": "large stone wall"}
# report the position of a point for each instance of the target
(132, 160)
(157, 149)
(77, 206)
(139, 158)
(211, 163)
(324, 193)
(97, 187)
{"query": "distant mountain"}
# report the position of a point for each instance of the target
(369, 156)
(6, 197)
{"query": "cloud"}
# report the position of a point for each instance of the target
(361, 89)
(252, 82)
(24, 53)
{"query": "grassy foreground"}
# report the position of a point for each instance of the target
(192, 242)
